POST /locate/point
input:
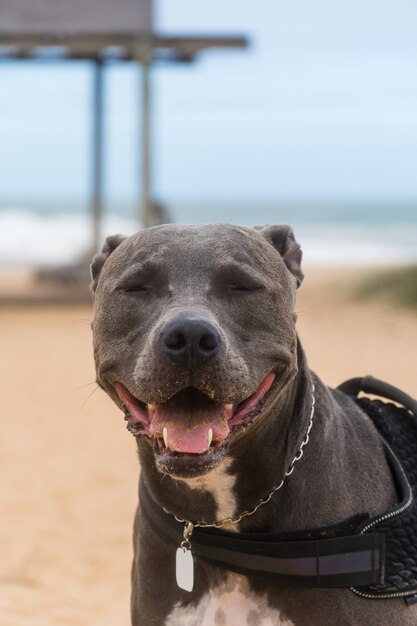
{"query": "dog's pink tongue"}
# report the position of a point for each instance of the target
(188, 417)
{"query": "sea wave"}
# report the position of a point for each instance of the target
(30, 239)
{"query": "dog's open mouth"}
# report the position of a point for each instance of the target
(190, 423)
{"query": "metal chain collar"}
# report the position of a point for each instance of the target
(189, 526)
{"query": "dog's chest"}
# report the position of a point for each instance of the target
(231, 604)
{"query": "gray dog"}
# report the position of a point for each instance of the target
(195, 340)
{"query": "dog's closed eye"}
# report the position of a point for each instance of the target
(246, 288)
(238, 279)
(134, 288)
(142, 278)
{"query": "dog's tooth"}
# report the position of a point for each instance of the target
(152, 407)
(165, 436)
(209, 437)
(229, 409)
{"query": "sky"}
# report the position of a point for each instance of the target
(321, 107)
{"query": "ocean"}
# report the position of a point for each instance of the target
(330, 234)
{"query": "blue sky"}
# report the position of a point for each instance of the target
(323, 106)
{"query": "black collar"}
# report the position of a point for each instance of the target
(339, 559)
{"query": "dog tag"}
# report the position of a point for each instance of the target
(185, 569)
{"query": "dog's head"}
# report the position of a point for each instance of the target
(194, 334)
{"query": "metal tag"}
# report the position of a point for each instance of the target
(185, 569)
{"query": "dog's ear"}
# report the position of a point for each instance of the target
(99, 260)
(283, 240)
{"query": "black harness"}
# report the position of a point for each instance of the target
(375, 557)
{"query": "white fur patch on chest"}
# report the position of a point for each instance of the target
(231, 604)
(220, 484)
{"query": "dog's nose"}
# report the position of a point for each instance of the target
(190, 341)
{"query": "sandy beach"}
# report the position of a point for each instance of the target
(69, 468)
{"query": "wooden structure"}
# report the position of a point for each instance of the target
(100, 31)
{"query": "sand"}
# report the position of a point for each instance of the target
(68, 467)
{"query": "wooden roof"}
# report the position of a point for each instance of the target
(75, 17)
(94, 29)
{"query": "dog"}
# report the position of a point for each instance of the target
(194, 334)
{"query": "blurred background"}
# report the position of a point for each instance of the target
(313, 123)
(131, 113)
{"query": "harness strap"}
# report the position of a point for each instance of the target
(352, 560)
(377, 387)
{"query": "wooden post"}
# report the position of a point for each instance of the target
(146, 204)
(97, 155)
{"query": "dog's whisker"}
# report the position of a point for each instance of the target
(88, 397)
(80, 321)
(93, 382)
